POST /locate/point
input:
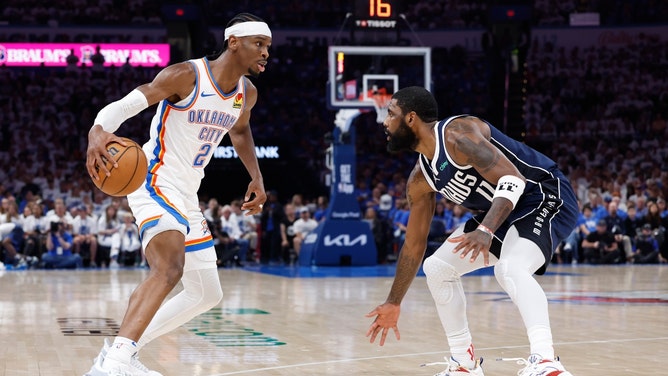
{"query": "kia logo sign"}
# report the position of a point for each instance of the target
(344, 240)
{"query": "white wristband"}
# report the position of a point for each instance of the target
(115, 113)
(510, 187)
(485, 229)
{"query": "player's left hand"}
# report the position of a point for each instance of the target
(258, 195)
(387, 316)
(475, 242)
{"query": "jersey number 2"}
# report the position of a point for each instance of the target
(203, 155)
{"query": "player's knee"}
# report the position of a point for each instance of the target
(441, 279)
(204, 289)
(172, 274)
(504, 274)
(214, 295)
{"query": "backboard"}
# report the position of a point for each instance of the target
(357, 71)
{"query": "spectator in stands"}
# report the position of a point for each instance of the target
(641, 205)
(130, 251)
(459, 215)
(382, 234)
(653, 216)
(97, 59)
(443, 211)
(362, 192)
(647, 247)
(12, 243)
(232, 235)
(72, 61)
(84, 229)
(386, 207)
(108, 238)
(11, 233)
(58, 253)
(587, 221)
(322, 203)
(302, 227)
(31, 235)
(633, 222)
(615, 224)
(400, 222)
(600, 247)
(288, 234)
(59, 213)
(270, 221)
(373, 201)
(663, 210)
(297, 201)
(248, 226)
(212, 209)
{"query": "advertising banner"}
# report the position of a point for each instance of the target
(55, 54)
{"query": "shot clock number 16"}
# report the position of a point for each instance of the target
(377, 9)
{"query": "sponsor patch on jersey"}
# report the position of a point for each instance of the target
(238, 101)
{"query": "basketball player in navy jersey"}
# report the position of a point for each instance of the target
(199, 102)
(526, 208)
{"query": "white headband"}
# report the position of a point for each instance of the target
(245, 29)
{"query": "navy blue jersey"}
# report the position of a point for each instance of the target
(465, 186)
(547, 211)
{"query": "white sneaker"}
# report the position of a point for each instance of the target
(537, 366)
(455, 369)
(136, 367)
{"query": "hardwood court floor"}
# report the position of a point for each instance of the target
(606, 321)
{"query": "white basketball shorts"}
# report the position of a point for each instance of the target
(158, 209)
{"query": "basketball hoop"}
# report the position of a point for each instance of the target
(380, 103)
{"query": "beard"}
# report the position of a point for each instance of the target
(253, 73)
(402, 139)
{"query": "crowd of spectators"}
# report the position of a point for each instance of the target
(421, 15)
(612, 13)
(599, 112)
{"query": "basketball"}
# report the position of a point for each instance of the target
(131, 171)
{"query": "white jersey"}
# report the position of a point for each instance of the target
(184, 135)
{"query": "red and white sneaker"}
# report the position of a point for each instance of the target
(537, 366)
(455, 369)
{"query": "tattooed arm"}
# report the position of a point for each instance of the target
(422, 202)
(467, 142)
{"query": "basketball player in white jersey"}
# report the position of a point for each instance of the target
(199, 102)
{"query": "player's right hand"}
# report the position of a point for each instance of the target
(97, 152)
(387, 317)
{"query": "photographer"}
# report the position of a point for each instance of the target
(600, 246)
(58, 253)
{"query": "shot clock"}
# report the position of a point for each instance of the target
(377, 14)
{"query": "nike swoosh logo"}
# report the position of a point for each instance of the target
(207, 94)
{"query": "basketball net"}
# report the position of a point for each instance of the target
(381, 99)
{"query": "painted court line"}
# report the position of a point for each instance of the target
(257, 370)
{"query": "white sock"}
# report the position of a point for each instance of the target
(121, 351)
(540, 338)
(461, 348)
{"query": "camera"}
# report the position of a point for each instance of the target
(55, 226)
